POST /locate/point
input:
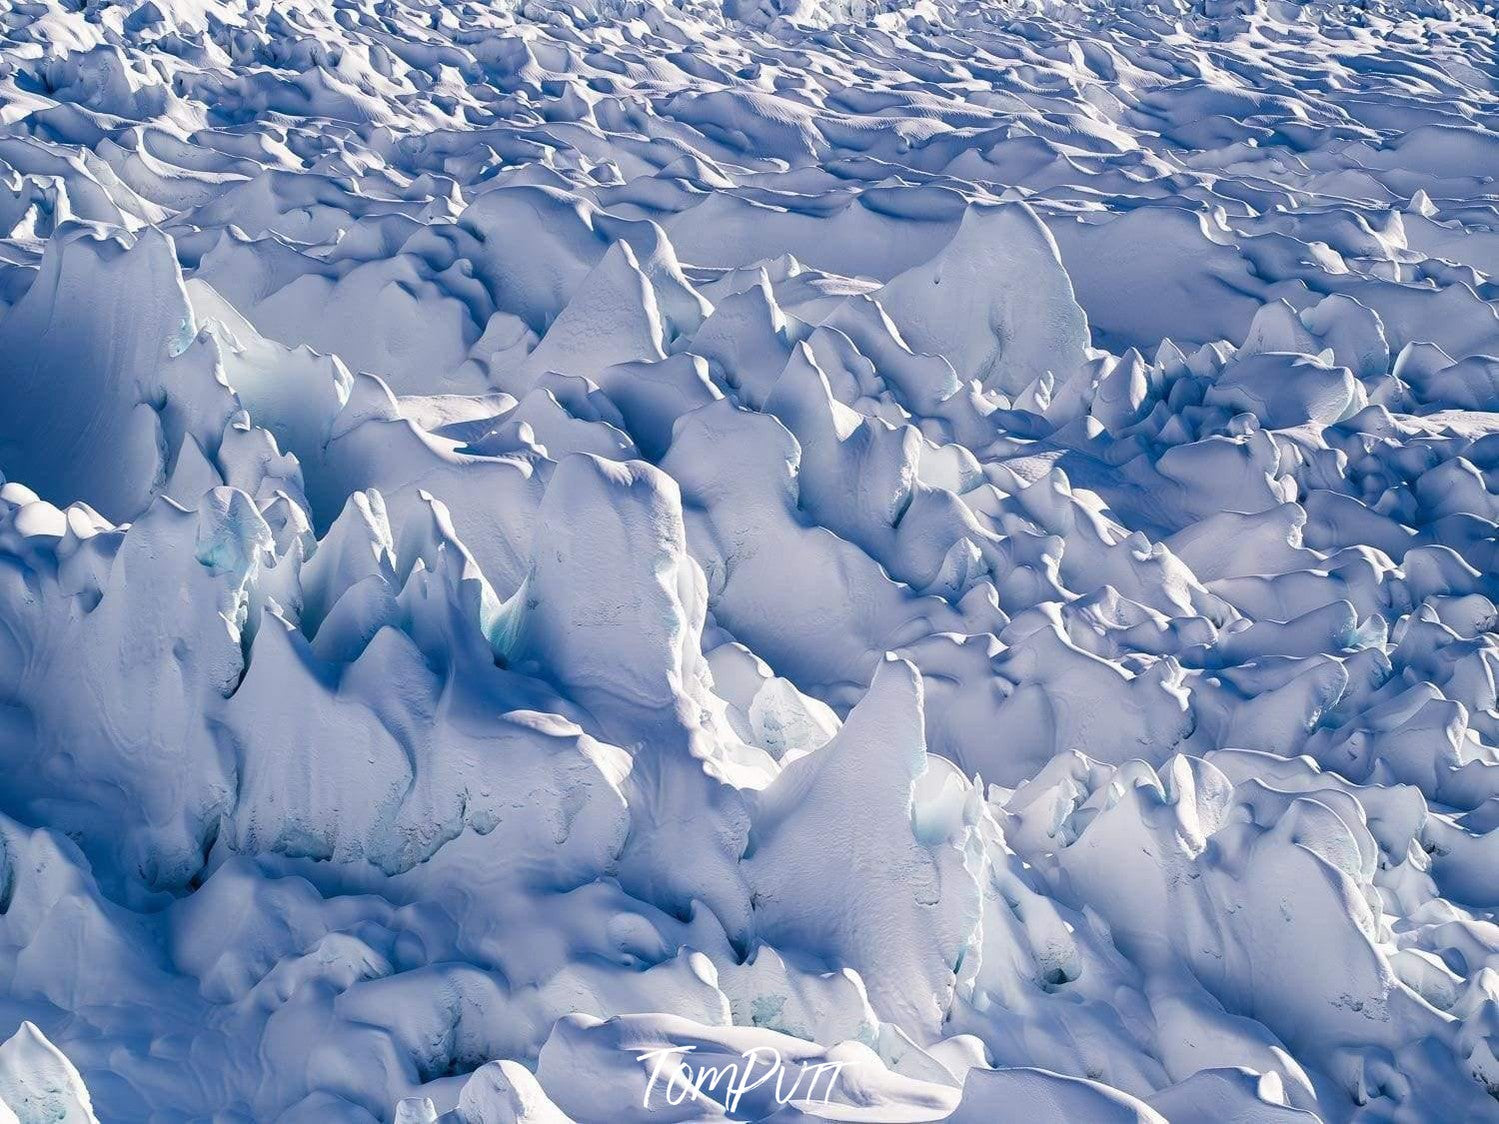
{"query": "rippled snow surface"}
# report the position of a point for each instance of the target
(953, 545)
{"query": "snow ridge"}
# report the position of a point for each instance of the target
(951, 545)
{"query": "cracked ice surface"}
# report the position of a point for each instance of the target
(957, 541)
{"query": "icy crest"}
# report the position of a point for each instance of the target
(951, 544)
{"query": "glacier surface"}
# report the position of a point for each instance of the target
(553, 552)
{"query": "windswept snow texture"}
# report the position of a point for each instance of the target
(956, 543)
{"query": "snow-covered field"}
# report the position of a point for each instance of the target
(749, 560)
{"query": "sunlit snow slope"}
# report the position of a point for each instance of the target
(955, 541)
